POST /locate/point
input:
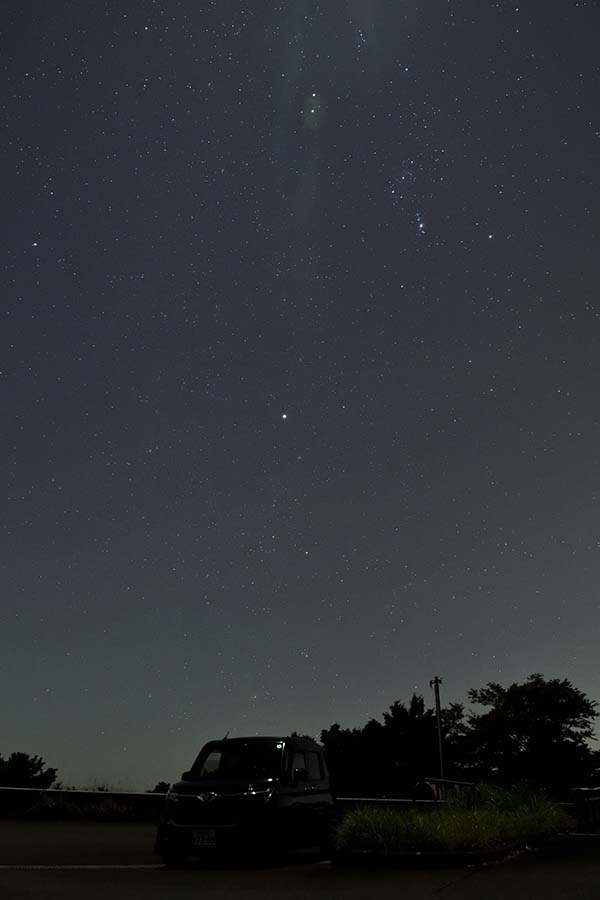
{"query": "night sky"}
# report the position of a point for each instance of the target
(300, 366)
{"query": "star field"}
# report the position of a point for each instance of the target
(299, 373)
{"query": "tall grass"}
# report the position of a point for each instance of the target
(485, 818)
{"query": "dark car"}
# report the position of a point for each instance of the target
(253, 794)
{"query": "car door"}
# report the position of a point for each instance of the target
(318, 793)
(311, 798)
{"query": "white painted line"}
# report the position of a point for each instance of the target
(26, 867)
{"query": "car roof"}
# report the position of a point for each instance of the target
(268, 737)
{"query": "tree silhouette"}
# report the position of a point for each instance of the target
(22, 770)
(161, 788)
(387, 759)
(535, 732)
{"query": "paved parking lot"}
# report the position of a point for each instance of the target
(75, 843)
(526, 879)
(87, 861)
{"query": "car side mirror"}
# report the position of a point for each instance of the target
(186, 776)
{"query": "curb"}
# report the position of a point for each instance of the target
(420, 859)
(558, 845)
(568, 845)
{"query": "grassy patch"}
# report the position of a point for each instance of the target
(485, 819)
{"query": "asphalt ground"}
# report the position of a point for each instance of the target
(76, 843)
(89, 861)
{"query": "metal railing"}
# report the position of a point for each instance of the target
(443, 789)
(586, 807)
(426, 790)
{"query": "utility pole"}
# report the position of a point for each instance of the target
(435, 684)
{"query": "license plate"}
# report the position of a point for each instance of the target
(204, 837)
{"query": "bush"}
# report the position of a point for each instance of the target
(483, 819)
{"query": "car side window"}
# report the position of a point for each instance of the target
(298, 761)
(313, 766)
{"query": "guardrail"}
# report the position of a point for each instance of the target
(146, 807)
(30, 802)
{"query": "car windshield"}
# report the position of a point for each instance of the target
(240, 759)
